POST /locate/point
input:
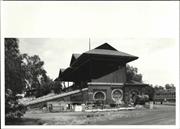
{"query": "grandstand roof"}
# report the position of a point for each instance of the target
(102, 58)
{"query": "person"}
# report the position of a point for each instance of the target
(44, 107)
(50, 107)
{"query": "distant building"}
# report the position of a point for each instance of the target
(164, 95)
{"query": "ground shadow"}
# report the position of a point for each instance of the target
(24, 121)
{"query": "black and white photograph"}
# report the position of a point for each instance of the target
(90, 64)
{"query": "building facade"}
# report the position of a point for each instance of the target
(102, 72)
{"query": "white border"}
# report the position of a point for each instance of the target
(68, 126)
(2, 83)
(3, 126)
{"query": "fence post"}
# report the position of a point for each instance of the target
(151, 105)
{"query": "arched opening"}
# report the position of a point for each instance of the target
(117, 95)
(99, 95)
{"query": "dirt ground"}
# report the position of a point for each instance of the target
(161, 114)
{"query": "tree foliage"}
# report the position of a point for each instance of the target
(14, 73)
(34, 71)
(24, 73)
(158, 88)
(57, 87)
(13, 110)
(37, 82)
(14, 79)
(169, 86)
(149, 90)
(132, 74)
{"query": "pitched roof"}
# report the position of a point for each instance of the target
(106, 49)
(106, 46)
(74, 57)
(60, 72)
(65, 73)
(109, 52)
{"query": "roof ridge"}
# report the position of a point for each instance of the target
(106, 46)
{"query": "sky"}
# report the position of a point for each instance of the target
(158, 58)
(55, 30)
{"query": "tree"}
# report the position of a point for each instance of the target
(132, 74)
(35, 76)
(45, 88)
(14, 73)
(57, 87)
(169, 86)
(14, 80)
(158, 88)
(13, 110)
(149, 90)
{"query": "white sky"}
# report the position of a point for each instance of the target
(158, 58)
(149, 30)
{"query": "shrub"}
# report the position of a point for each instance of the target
(13, 110)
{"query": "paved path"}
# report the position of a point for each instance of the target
(162, 116)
